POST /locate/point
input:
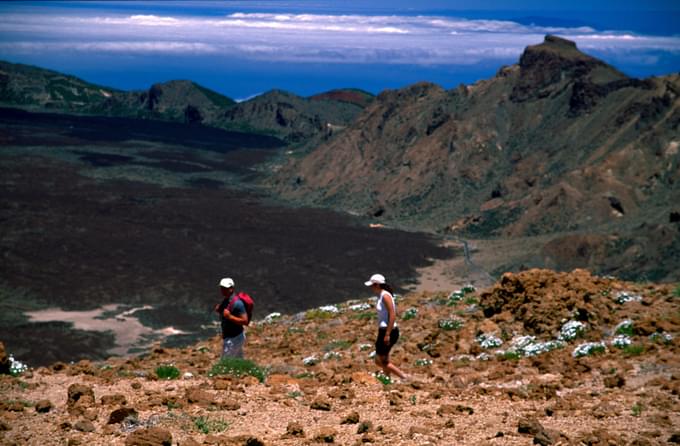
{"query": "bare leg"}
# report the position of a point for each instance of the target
(387, 367)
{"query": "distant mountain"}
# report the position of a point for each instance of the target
(296, 119)
(39, 89)
(560, 142)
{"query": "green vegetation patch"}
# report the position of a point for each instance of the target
(167, 372)
(450, 324)
(634, 350)
(207, 425)
(238, 367)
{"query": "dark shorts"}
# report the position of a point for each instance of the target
(380, 347)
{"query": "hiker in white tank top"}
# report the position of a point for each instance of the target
(381, 306)
(388, 332)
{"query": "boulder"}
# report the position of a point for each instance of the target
(84, 426)
(325, 435)
(119, 415)
(153, 436)
(294, 429)
(80, 397)
(351, 418)
(43, 406)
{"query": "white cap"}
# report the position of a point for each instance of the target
(226, 283)
(377, 279)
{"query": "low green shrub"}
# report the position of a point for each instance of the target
(510, 355)
(167, 372)
(634, 350)
(450, 324)
(384, 379)
(636, 410)
(409, 314)
(238, 367)
(208, 425)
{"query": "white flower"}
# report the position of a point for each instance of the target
(624, 327)
(529, 346)
(488, 340)
(571, 330)
(623, 297)
(372, 354)
(666, 338)
(365, 347)
(588, 348)
(360, 307)
(484, 356)
(621, 341)
(16, 367)
(423, 362)
(188, 375)
(310, 360)
(271, 317)
(332, 355)
(329, 309)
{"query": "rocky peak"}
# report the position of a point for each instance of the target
(551, 62)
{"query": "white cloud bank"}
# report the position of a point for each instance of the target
(425, 40)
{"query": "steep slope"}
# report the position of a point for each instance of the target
(559, 142)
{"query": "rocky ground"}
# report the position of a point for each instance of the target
(499, 366)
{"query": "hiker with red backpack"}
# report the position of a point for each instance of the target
(235, 312)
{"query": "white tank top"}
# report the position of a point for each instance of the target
(383, 315)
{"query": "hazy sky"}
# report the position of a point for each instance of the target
(242, 48)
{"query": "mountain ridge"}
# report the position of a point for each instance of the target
(559, 142)
(296, 119)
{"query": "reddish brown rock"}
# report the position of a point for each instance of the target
(149, 437)
(294, 429)
(321, 404)
(80, 397)
(119, 415)
(43, 406)
(84, 426)
(110, 400)
(325, 435)
(200, 397)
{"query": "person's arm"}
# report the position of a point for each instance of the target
(387, 300)
(238, 316)
(240, 320)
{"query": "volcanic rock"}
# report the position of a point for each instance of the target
(80, 397)
(325, 435)
(84, 426)
(43, 406)
(294, 429)
(351, 418)
(149, 437)
(108, 400)
(119, 415)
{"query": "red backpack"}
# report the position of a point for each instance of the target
(247, 302)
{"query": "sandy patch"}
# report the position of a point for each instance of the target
(129, 332)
